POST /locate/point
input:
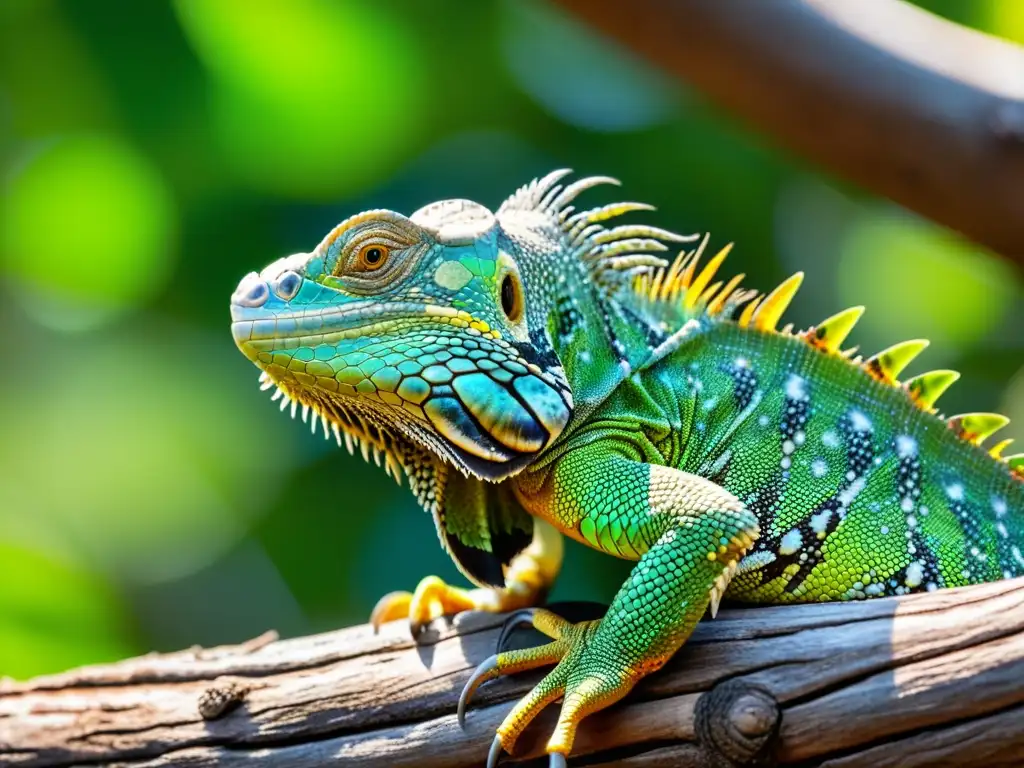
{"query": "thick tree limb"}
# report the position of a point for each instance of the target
(933, 679)
(878, 92)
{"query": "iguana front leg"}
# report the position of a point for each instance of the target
(688, 534)
(528, 577)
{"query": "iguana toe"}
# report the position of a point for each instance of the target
(432, 599)
(588, 680)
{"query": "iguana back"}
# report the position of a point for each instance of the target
(859, 490)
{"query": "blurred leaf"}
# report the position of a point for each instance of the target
(54, 616)
(312, 98)
(151, 464)
(918, 279)
(87, 221)
(1006, 19)
(579, 77)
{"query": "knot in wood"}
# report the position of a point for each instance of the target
(737, 725)
(219, 699)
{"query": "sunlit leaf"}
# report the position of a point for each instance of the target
(311, 98)
(87, 225)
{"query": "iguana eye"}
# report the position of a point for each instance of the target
(511, 298)
(372, 257)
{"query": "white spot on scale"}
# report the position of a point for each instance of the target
(819, 468)
(830, 439)
(710, 403)
(885, 530)
(788, 447)
(955, 491)
(799, 437)
(998, 506)
(1015, 551)
(754, 561)
(796, 388)
(1002, 530)
(915, 574)
(906, 447)
(763, 420)
(791, 542)
(907, 504)
(859, 421)
(786, 462)
(741, 362)
(819, 522)
(848, 495)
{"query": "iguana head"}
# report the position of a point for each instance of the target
(444, 334)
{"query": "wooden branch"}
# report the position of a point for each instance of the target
(921, 680)
(878, 92)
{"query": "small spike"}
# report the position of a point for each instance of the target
(305, 413)
(337, 433)
(718, 302)
(284, 402)
(693, 293)
(975, 427)
(928, 387)
(770, 311)
(996, 452)
(686, 278)
(830, 333)
(266, 383)
(748, 312)
(887, 364)
(295, 406)
(1016, 464)
(277, 394)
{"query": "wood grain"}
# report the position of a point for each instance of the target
(933, 679)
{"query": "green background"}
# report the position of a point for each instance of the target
(153, 153)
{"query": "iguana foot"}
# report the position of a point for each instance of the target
(589, 676)
(431, 600)
(527, 579)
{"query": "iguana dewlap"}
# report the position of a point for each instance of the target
(533, 372)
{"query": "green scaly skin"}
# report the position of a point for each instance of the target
(533, 370)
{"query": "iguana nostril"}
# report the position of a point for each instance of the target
(251, 292)
(287, 285)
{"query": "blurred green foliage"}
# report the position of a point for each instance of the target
(150, 496)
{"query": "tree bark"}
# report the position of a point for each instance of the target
(931, 679)
(878, 92)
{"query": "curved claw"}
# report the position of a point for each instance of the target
(495, 753)
(480, 674)
(514, 621)
(557, 760)
(394, 605)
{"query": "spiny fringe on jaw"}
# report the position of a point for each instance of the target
(349, 429)
(611, 253)
(681, 284)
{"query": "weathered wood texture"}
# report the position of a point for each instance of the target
(878, 92)
(933, 679)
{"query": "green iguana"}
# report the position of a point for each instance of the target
(534, 372)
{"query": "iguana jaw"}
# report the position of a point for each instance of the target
(326, 361)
